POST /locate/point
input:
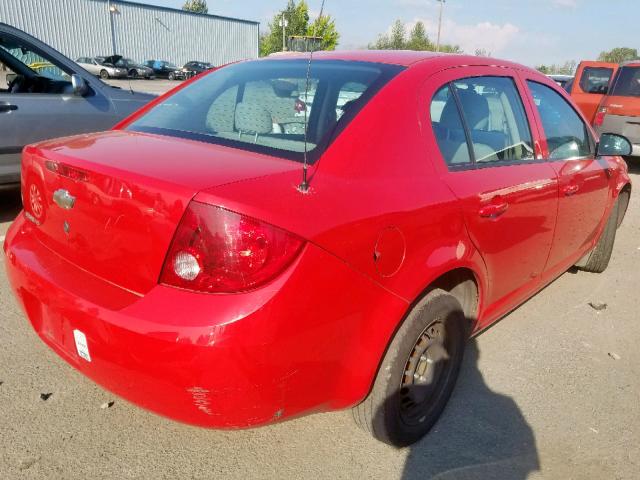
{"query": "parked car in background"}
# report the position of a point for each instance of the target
(619, 111)
(562, 80)
(164, 69)
(195, 68)
(134, 69)
(590, 85)
(185, 261)
(100, 67)
(47, 95)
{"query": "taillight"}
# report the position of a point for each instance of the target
(218, 251)
(600, 114)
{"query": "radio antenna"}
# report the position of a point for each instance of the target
(304, 185)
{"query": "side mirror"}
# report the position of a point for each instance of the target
(611, 145)
(80, 87)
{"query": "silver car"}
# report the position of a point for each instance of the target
(101, 67)
(45, 95)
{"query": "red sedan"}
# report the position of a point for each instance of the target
(184, 262)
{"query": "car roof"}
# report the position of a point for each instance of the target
(404, 58)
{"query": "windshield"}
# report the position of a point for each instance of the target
(627, 83)
(261, 105)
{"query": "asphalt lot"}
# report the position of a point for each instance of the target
(550, 392)
(157, 86)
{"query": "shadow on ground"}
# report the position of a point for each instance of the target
(10, 203)
(481, 435)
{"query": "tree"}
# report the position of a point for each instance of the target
(325, 28)
(297, 17)
(619, 55)
(568, 68)
(418, 40)
(196, 6)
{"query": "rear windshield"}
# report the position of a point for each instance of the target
(627, 83)
(261, 106)
(595, 79)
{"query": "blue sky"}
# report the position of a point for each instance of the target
(526, 31)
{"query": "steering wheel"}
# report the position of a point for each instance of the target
(18, 84)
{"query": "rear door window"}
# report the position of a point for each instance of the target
(485, 113)
(567, 135)
(627, 83)
(595, 80)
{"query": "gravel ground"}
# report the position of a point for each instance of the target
(550, 392)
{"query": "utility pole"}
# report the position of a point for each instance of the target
(442, 2)
(283, 24)
(111, 10)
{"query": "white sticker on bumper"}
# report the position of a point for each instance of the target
(81, 345)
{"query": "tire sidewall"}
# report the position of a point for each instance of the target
(388, 423)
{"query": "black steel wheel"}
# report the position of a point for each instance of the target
(418, 373)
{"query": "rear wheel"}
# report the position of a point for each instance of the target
(133, 73)
(418, 372)
(172, 76)
(598, 259)
(104, 74)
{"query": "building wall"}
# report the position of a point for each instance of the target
(80, 28)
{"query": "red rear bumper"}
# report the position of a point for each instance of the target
(303, 343)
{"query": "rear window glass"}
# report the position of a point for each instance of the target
(595, 79)
(627, 83)
(261, 106)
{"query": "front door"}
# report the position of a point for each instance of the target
(509, 196)
(583, 179)
(37, 103)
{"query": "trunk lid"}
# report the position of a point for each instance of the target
(110, 202)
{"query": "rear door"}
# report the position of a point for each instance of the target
(584, 181)
(590, 85)
(487, 152)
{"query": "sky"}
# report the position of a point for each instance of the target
(531, 32)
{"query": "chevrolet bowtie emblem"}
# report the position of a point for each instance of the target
(64, 199)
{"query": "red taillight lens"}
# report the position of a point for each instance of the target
(600, 114)
(218, 251)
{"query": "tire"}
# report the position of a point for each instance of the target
(133, 73)
(411, 390)
(172, 76)
(598, 259)
(104, 74)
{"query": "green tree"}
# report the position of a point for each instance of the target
(325, 28)
(568, 68)
(196, 6)
(418, 39)
(619, 55)
(398, 33)
(297, 17)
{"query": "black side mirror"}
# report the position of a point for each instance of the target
(611, 145)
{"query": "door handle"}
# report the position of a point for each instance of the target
(569, 190)
(7, 107)
(493, 210)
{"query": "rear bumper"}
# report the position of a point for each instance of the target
(223, 361)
